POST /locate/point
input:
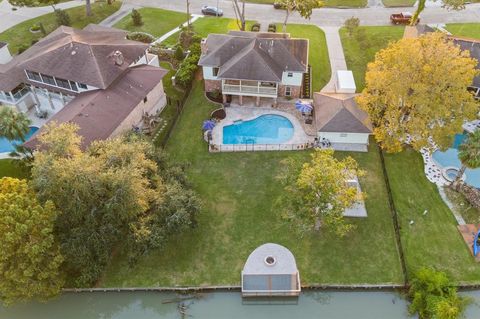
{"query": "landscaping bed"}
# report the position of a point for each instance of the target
(327, 3)
(20, 35)
(360, 48)
(239, 192)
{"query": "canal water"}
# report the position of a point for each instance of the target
(152, 305)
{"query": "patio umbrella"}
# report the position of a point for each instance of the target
(208, 125)
(303, 107)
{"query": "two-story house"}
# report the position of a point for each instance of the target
(93, 77)
(259, 65)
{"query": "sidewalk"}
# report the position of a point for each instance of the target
(124, 11)
(335, 54)
(10, 18)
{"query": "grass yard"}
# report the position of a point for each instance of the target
(328, 3)
(318, 52)
(358, 52)
(398, 3)
(20, 34)
(239, 191)
(470, 30)
(156, 22)
(12, 168)
(207, 25)
(433, 239)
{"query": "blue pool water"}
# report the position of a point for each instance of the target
(450, 158)
(7, 146)
(265, 129)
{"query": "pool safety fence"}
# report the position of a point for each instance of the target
(258, 147)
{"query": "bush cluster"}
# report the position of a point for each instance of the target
(141, 37)
(272, 27)
(187, 68)
(255, 27)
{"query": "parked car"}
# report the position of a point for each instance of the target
(212, 11)
(402, 18)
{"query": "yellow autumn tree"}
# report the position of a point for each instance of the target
(416, 89)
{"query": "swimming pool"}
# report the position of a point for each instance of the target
(7, 146)
(265, 129)
(450, 158)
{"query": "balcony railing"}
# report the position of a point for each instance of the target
(249, 90)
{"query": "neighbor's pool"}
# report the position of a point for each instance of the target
(450, 158)
(265, 129)
(7, 146)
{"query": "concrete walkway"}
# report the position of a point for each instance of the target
(194, 18)
(9, 17)
(124, 11)
(335, 54)
(324, 16)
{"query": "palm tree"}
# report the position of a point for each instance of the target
(13, 124)
(469, 154)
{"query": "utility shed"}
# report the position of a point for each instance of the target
(270, 270)
(345, 82)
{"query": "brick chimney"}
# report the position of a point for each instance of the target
(203, 46)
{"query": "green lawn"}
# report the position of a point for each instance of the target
(398, 3)
(470, 30)
(12, 168)
(20, 34)
(433, 239)
(318, 52)
(328, 3)
(358, 53)
(239, 191)
(156, 22)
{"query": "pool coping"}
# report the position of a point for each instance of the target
(248, 113)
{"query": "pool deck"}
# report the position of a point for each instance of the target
(246, 113)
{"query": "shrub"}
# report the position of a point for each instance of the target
(62, 18)
(179, 55)
(136, 18)
(272, 27)
(35, 28)
(187, 68)
(22, 48)
(141, 37)
(352, 25)
(255, 27)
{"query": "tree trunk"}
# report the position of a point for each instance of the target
(458, 178)
(420, 8)
(188, 14)
(88, 8)
(243, 16)
(287, 14)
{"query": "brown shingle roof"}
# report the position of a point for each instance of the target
(339, 113)
(98, 113)
(251, 56)
(84, 56)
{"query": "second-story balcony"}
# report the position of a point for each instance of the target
(250, 88)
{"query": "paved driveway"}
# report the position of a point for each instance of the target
(324, 16)
(9, 17)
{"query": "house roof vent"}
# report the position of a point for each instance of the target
(118, 58)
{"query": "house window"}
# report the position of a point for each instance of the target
(215, 71)
(34, 76)
(82, 86)
(73, 85)
(290, 74)
(63, 83)
(288, 91)
(48, 79)
(145, 100)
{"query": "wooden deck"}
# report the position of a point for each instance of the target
(468, 233)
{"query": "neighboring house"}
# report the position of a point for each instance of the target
(93, 77)
(340, 122)
(259, 65)
(472, 45)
